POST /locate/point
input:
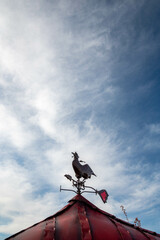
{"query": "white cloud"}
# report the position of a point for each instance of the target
(18, 203)
(12, 129)
(52, 87)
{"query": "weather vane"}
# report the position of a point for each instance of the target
(82, 173)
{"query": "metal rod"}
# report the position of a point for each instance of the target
(91, 188)
(65, 189)
(89, 192)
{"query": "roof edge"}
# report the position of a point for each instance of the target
(80, 198)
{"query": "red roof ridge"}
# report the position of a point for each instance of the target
(80, 198)
(83, 206)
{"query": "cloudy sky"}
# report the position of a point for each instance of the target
(81, 76)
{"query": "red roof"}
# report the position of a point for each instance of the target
(82, 220)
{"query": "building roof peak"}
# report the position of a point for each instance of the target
(80, 219)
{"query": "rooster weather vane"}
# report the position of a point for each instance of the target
(82, 173)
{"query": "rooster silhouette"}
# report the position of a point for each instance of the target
(81, 170)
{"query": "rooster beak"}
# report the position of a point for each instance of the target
(82, 161)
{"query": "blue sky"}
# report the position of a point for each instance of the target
(79, 76)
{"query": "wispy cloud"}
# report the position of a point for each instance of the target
(72, 78)
(154, 128)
